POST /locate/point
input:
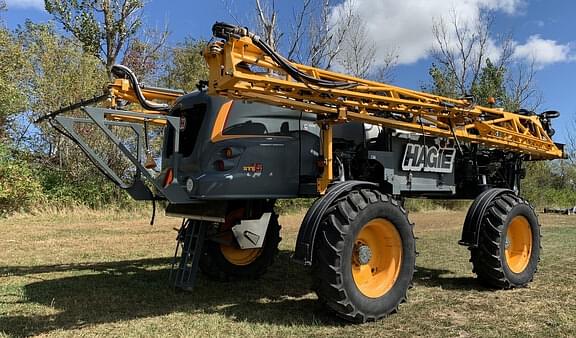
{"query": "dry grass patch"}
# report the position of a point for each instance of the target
(94, 274)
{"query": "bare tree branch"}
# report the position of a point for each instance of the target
(521, 87)
(358, 53)
(267, 23)
(298, 29)
(324, 35)
(463, 53)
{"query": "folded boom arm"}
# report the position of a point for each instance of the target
(243, 67)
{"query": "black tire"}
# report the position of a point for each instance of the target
(333, 256)
(215, 265)
(489, 259)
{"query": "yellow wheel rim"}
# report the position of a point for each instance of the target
(518, 244)
(234, 254)
(239, 256)
(376, 258)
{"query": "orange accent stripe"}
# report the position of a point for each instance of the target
(221, 121)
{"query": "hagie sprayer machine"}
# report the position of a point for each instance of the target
(262, 128)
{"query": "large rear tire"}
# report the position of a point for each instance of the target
(364, 257)
(508, 251)
(229, 262)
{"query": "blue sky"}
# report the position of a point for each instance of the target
(543, 30)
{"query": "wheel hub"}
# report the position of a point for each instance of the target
(376, 258)
(364, 254)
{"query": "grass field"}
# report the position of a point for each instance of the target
(95, 274)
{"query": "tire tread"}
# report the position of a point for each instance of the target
(485, 258)
(329, 284)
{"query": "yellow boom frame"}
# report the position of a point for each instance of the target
(231, 64)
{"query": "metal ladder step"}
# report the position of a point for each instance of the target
(189, 244)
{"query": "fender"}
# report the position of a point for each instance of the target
(473, 221)
(307, 234)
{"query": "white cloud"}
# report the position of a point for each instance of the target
(544, 52)
(36, 4)
(406, 25)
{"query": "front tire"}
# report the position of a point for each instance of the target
(226, 262)
(509, 244)
(364, 257)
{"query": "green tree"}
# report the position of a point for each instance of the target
(442, 83)
(12, 97)
(146, 55)
(103, 27)
(550, 184)
(60, 72)
(19, 186)
(491, 84)
(186, 65)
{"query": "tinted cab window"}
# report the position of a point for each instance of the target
(190, 125)
(261, 119)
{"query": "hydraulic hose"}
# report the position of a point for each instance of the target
(125, 72)
(226, 31)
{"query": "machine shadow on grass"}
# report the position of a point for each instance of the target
(436, 278)
(126, 290)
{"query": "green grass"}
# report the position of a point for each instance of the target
(107, 275)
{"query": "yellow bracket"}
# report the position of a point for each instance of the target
(328, 171)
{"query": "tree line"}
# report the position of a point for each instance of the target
(49, 65)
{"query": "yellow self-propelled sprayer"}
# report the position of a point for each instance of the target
(262, 128)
